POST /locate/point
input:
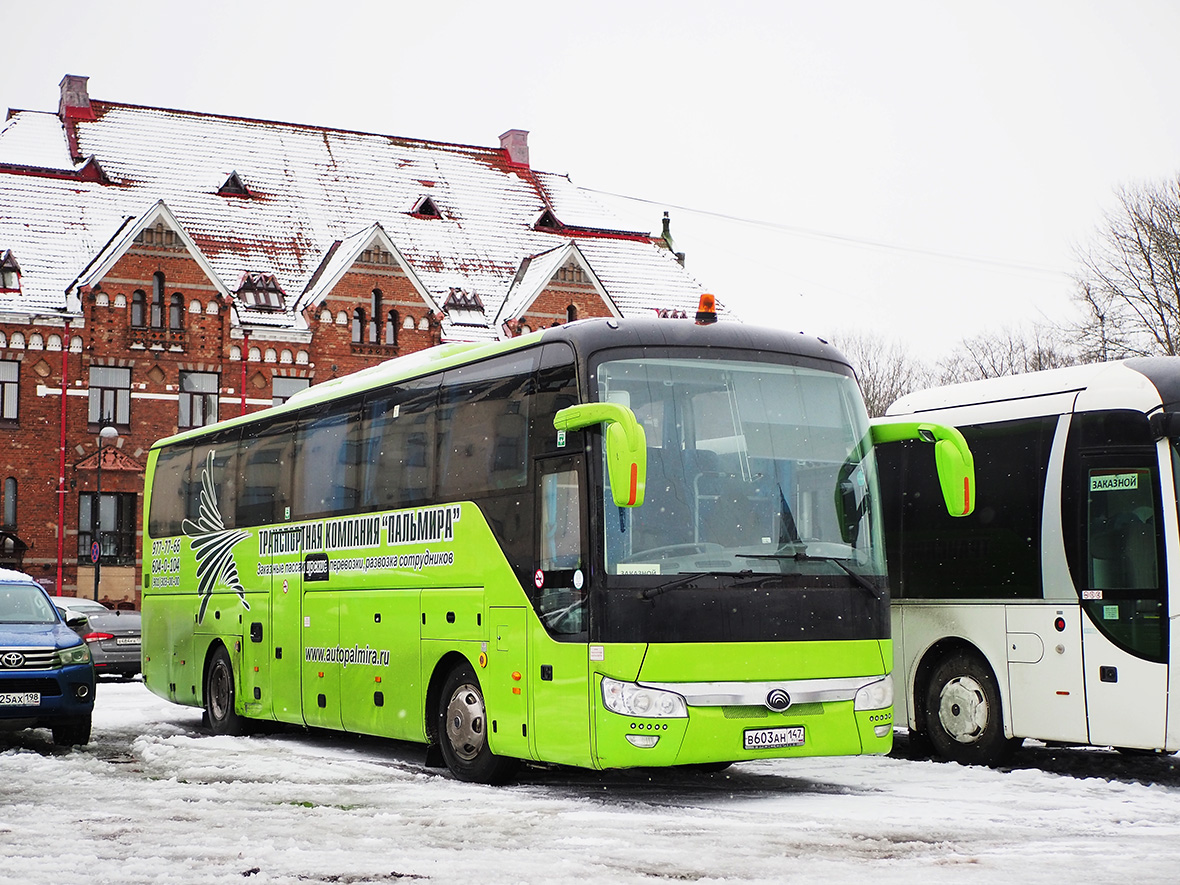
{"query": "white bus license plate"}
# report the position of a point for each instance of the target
(21, 699)
(773, 738)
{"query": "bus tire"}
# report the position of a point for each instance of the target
(462, 731)
(220, 696)
(964, 719)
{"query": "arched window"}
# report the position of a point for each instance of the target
(571, 313)
(176, 311)
(138, 309)
(157, 318)
(10, 503)
(391, 323)
(358, 325)
(375, 318)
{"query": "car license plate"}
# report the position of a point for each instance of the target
(20, 699)
(127, 640)
(773, 738)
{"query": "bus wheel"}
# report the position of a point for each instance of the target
(219, 696)
(964, 721)
(462, 731)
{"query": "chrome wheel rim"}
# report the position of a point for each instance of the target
(465, 723)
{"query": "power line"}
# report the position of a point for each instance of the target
(840, 238)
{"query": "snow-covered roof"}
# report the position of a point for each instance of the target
(309, 191)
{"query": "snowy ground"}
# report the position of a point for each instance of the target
(155, 799)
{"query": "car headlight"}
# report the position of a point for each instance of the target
(629, 699)
(874, 696)
(75, 654)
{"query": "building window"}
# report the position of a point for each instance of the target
(114, 521)
(391, 324)
(110, 395)
(157, 300)
(571, 313)
(282, 389)
(358, 325)
(176, 312)
(9, 272)
(198, 399)
(375, 318)
(9, 509)
(138, 308)
(9, 389)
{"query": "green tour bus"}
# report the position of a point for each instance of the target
(613, 543)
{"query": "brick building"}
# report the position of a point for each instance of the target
(161, 269)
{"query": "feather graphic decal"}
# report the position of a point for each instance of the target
(213, 545)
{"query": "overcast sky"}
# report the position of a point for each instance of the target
(919, 170)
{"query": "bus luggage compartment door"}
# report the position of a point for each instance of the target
(1045, 672)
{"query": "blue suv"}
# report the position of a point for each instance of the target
(46, 675)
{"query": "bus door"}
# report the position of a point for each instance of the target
(283, 644)
(1118, 565)
(559, 667)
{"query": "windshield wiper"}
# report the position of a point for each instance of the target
(684, 581)
(871, 587)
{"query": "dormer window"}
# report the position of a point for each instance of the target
(426, 208)
(260, 291)
(233, 187)
(9, 272)
(464, 308)
(547, 221)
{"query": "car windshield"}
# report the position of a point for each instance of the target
(24, 604)
(751, 467)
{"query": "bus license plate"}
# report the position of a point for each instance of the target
(773, 738)
(20, 699)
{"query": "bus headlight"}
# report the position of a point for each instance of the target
(874, 696)
(629, 699)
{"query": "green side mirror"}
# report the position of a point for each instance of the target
(952, 458)
(626, 446)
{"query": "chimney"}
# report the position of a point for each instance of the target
(515, 142)
(75, 100)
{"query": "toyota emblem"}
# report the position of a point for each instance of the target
(12, 660)
(777, 700)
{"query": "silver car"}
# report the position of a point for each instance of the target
(113, 638)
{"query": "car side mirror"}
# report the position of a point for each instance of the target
(626, 446)
(76, 621)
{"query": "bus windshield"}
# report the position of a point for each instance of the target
(752, 467)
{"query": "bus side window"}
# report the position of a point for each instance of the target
(327, 464)
(169, 491)
(483, 427)
(397, 446)
(1121, 526)
(264, 472)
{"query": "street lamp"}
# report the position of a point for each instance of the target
(106, 434)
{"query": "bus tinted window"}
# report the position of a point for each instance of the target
(168, 491)
(327, 463)
(397, 446)
(1110, 497)
(995, 552)
(265, 463)
(483, 427)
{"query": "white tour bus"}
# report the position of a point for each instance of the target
(1045, 614)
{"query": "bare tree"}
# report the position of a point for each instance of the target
(885, 369)
(1129, 282)
(1007, 352)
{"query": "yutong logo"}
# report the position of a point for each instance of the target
(778, 700)
(12, 660)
